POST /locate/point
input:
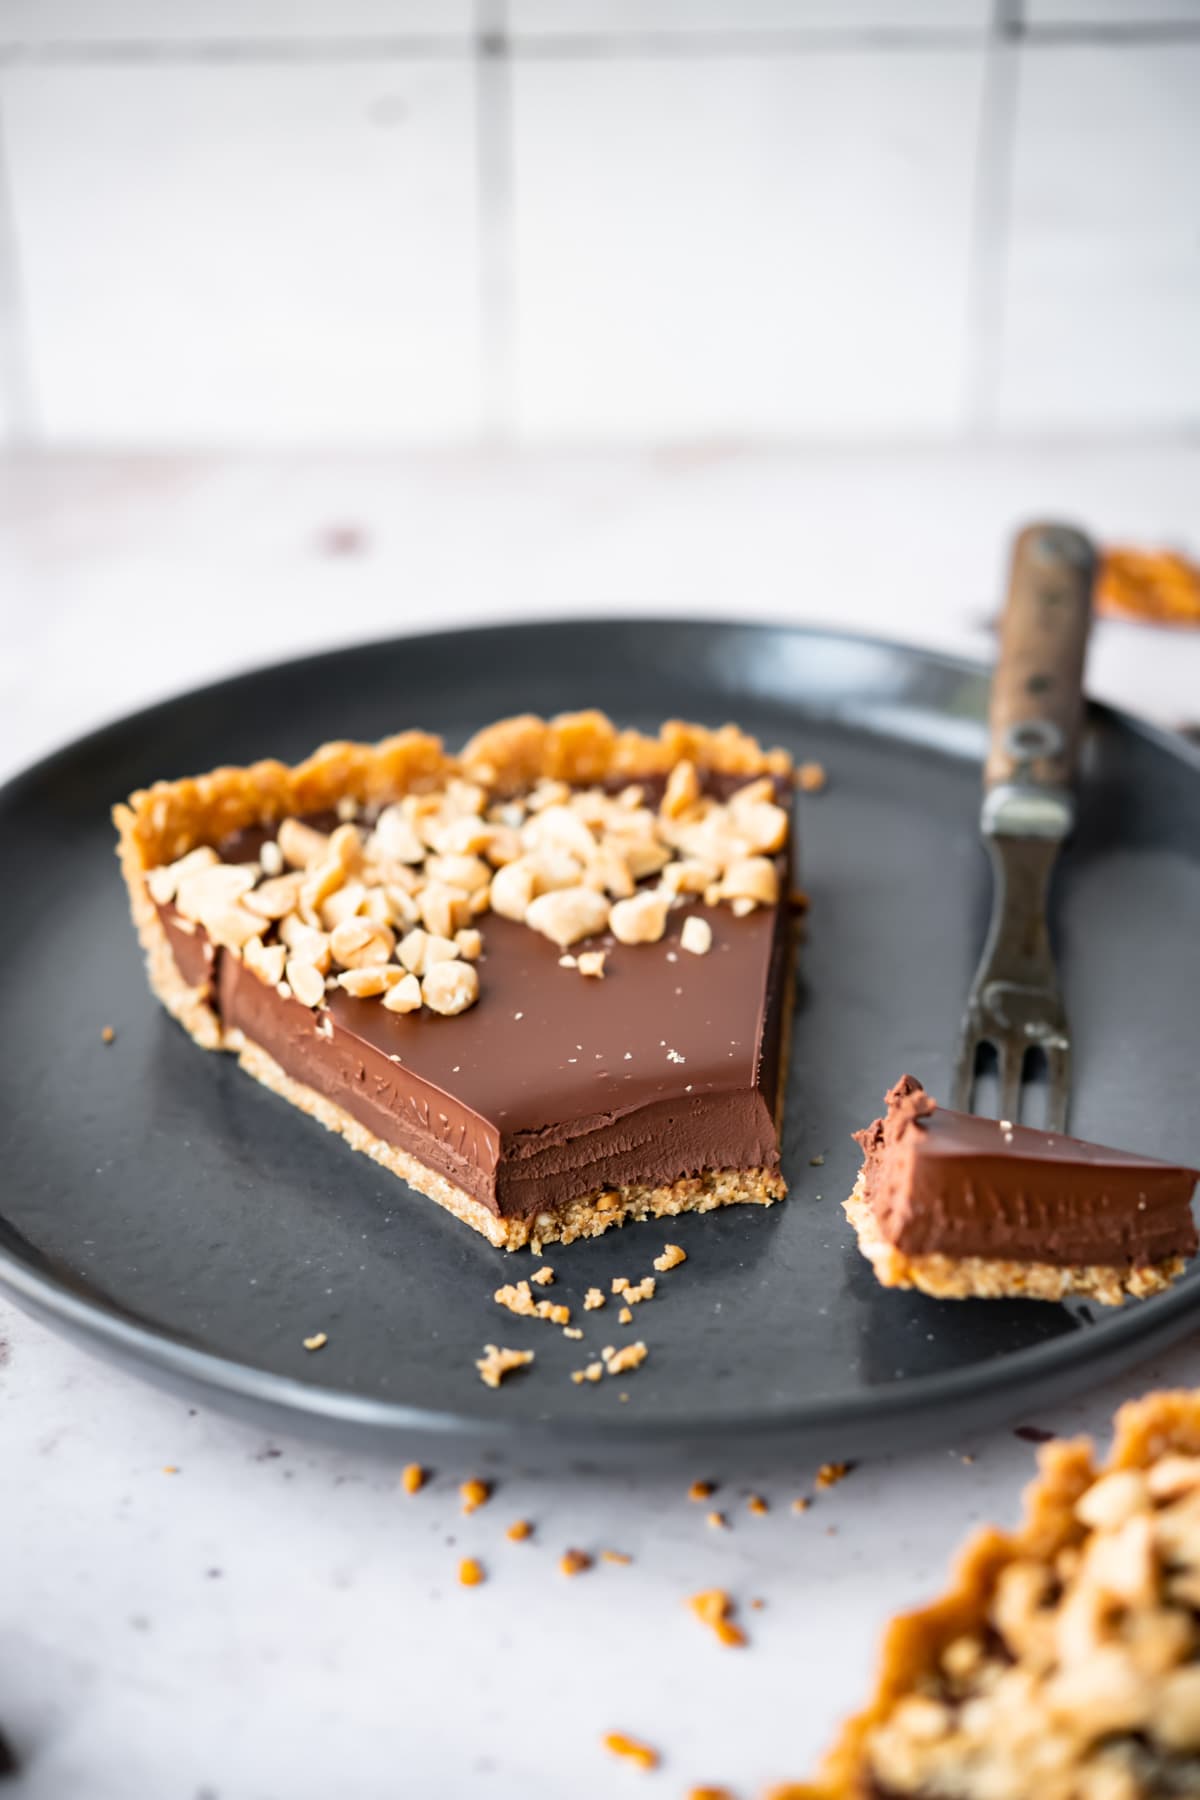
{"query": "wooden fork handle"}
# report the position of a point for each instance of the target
(1037, 688)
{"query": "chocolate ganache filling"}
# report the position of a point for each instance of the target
(553, 1085)
(955, 1184)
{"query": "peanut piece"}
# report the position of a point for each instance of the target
(405, 997)
(567, 914)
(450, 987)
(641, 920)
(307, 983)
(696, 936)
(357, 943)
(300, 846)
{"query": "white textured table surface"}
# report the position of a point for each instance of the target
(277, 1620)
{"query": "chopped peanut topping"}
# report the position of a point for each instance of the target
(386, 904)
(641, 1754)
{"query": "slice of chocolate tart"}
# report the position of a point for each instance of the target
(545, 982)
(959, 1205)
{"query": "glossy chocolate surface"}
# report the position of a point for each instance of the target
(957, 1184)
(553, 1084)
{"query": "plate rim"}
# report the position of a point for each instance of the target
(155, 1351)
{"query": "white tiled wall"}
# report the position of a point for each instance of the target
(794, 248)
(1102, 297)
(390, 222)
(241, 253)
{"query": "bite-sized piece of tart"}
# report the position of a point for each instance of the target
(959, 1205)
(1062, 1664)
(546, 981)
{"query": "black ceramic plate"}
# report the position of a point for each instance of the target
(160, 1205)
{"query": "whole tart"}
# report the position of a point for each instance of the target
(1063, 1663)
(959, 1205)
(545, 981)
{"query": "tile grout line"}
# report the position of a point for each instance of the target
(16, 386)
(990, 239)
(494, 209)
(731, 41)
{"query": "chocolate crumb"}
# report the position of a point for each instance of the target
(1032, 1434)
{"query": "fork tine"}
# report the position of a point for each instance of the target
(969, 1046)
(1012, 1061)
(1058, 1085)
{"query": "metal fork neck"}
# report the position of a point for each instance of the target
(1028, 810)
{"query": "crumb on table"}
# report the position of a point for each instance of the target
(832, 1472)
(712, 1607)
(518, 1531)
(574, 1562)
(108, 1035)
(757, 1505)
(643, 1755)
(811, 777)
(475, 1493)
(317, 1341)
(470, 1572)
(413, 1478)
(702, 1490)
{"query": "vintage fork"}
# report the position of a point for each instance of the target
(1036, 710)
